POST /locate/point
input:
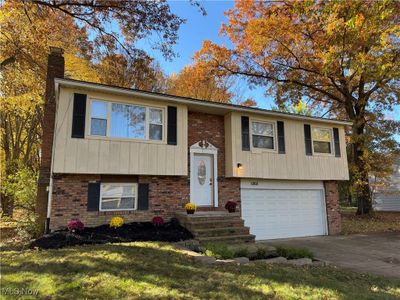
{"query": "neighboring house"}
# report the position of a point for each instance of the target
(118, 151)
(387, 197)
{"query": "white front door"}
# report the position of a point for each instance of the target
(202, 179)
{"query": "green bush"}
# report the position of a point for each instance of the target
(294, 253)
(242, 252)
(219, 251)
(21, 188)
(261, 254)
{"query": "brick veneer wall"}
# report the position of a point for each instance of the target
(332, 207)
(167, 194)
(211, 128)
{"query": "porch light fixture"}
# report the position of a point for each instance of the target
(239, 166)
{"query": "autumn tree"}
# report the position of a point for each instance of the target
(196, 81)
(29, 27)
(199, 81)
(24, 41)
(121, 70)
(344, 55)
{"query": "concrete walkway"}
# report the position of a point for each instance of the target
(377, 254)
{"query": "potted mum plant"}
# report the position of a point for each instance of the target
(157, 221)
(74, 225)
(116, 222)
(231, 206)
(190, 208)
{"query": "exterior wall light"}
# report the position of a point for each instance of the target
(239, 166)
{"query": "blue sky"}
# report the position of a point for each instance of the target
(191, 36)
(198, 28)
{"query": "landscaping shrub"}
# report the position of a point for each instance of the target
(20, 188)
(219, 251)
(294, 253)
(242, 252)
(261, 254)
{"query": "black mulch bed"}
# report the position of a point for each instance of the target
(131, 232)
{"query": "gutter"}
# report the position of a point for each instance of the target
(189, 101)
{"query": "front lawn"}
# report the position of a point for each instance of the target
(378, 221)
(160, 271)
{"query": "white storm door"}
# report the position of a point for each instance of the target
(202, 177)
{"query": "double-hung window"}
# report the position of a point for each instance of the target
(262, 135)
(98, 118)
(118, 196)
(322, 140)
(128, 121)
(155, 124)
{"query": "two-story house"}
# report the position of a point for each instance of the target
(118, 151)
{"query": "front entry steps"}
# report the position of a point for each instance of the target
(216, 226)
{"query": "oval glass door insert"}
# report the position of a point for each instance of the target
(201, 172)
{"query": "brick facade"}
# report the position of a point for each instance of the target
(167, 194)
(211, 128)
(332, 207)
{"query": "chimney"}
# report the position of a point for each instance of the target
(55, 69)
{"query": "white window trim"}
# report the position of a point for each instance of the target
(121, 184)
(331, 141)
(274, 136)
(108, 130)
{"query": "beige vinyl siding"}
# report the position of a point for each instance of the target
(294, 164)
(102, 155)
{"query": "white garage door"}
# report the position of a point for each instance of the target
(283, 209)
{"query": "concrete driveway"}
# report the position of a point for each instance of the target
(377, 254)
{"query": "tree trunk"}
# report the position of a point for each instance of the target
(7, 206)
(361, 169)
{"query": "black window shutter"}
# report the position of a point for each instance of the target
(172, 127)
(93, 196)
(307, 139)
(281, 137)
(79, 116)
(143, 196)
(245, 134)
(337, 142)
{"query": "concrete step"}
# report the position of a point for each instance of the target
(220, 231)
(209, 224)
(231, 239)
(201, 216)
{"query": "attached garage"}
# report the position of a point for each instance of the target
(282, 209)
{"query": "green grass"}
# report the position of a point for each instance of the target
(294, 253)
(160, 271)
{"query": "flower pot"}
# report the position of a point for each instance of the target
(232, 210)
(190, 211)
